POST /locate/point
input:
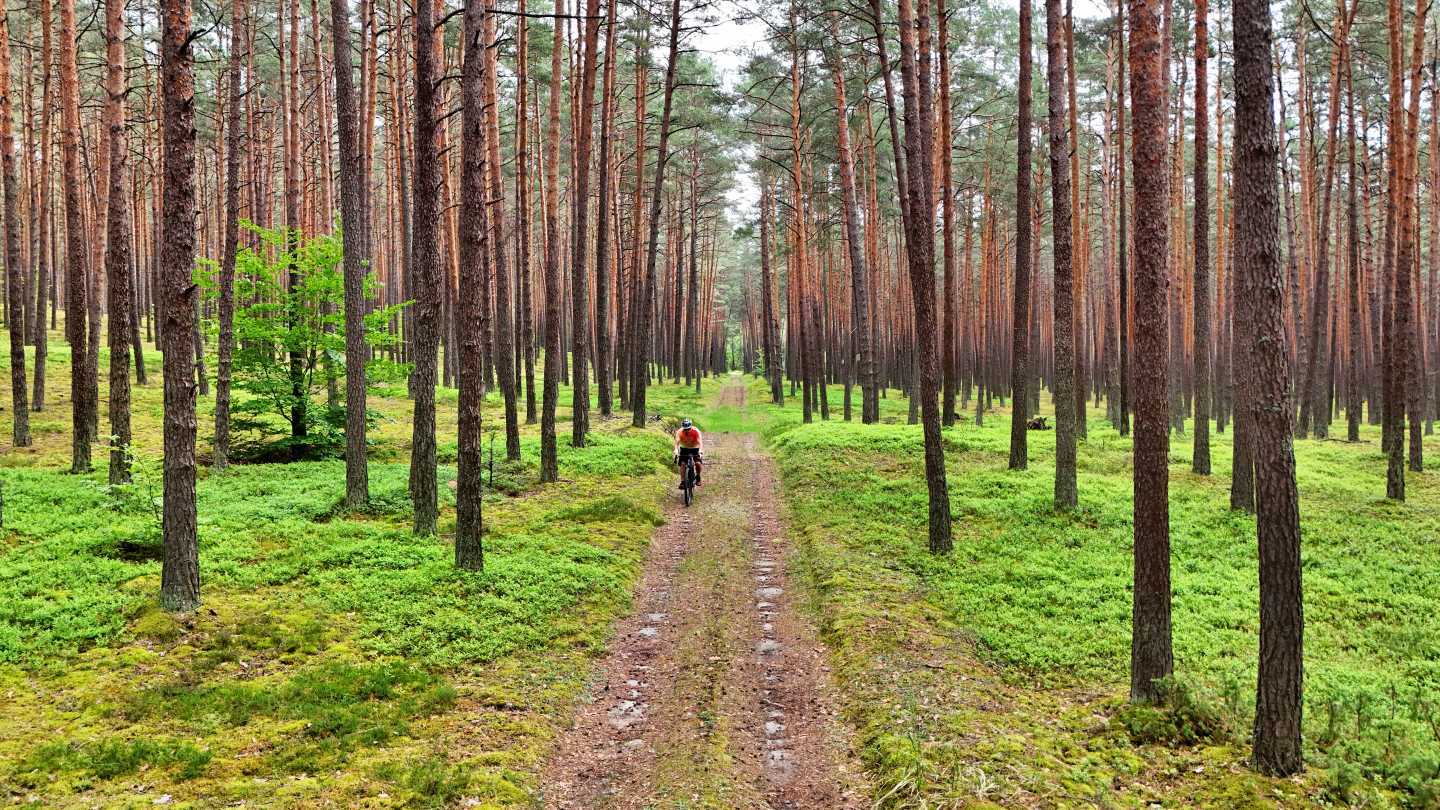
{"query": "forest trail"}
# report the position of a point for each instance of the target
(715, 692)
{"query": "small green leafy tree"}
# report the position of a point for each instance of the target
(289, 335)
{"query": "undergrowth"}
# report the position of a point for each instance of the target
(334, 655)
(1036, 604)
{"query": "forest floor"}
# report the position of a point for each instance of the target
(337, 661)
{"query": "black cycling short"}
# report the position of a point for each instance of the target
(689, 451)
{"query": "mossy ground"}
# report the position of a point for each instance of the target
(336, 659)
(998, 674)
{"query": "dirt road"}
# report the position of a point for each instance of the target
(714, 692)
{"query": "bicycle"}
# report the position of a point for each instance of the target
(687, 479)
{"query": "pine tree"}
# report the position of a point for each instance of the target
(1151, 655)
(1265, 396)
(180, 569)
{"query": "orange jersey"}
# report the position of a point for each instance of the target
(688, 438)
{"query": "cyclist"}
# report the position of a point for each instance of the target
(688, 442)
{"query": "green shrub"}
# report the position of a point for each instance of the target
(290, 344)
(109, 758)
(431, 781)
(1180, 717)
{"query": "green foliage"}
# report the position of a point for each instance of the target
(430, 781)
(109, 758)
(290, 343)
(1042, 600)
(330, 642)
(1181, 717)
(341, 707)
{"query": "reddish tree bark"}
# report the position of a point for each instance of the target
(579, 236)
(920, 253)
(644, 315)
(16, 271)
(554, 345)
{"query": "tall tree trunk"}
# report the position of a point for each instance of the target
(1066, 496)
(299, 395)
(920, 252)
(117, 243)
(525, 284)
(773, 364)
(1355, 338)
(1200, 460)
(947, 228)
(180, 570)
(82, 389)
(16, 271)
(354, 219)
(425, 254)
(859, 273)
(604, 355)
(41, 213)
(1151, 655)
(474, 269)
(234, 157)
(1123, 228)
(579, 236)
(645, 314)
(1020, 325)
(554, 345)
(504, 331)
(1317, 376)
(1271, 417)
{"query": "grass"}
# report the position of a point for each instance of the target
(998, 673)
(335, 658)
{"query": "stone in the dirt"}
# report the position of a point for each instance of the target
(769, 593)
(634, 745)
(649, 632)
(656, 617)
(625, 714)
(768, 647)
(773, 728)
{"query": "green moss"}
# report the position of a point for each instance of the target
(1031, 614)
(109, 758)
(329, 642)
(156, 625)
(1179, 718)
